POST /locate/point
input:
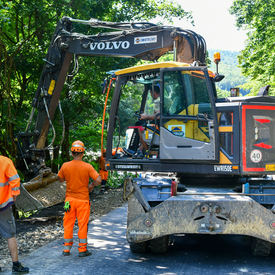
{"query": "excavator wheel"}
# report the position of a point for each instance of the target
(139, 247)
(260, 247)
(159, 245)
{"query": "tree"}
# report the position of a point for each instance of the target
(26, 27)
(258, 57)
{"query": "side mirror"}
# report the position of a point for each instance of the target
(218, 78)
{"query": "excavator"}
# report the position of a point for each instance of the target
(209, 162)
(145, 41)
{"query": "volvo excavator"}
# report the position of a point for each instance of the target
(145, 41)
(209, 163)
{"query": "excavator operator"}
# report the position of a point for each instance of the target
(76, 173)
(155, 93)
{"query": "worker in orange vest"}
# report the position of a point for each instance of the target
(76, 173)
(102, 171)
(9, 190)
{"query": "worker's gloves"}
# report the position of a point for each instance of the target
(67, 206)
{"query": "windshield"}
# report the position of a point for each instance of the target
(186, 105)
(184, 92)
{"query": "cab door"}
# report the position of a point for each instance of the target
(188, 121)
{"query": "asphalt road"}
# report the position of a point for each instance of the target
(192, 254)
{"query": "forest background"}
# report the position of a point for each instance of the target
(26, 27)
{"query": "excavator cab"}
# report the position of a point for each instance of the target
(185, 127)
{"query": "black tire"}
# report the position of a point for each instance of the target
(139, 247)
(159, 245)
(260, 247)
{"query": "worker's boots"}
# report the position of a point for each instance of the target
(64, 253)
(85, 253)
(18, 268)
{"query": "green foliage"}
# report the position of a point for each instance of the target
(140, 10)
(222, 93)
(166, 57)
(257, 59)
(91, 158)
(4, 12)
(129, 104)
(229, 68)
(116, 179)
(254, 87)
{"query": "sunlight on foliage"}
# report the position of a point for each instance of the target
(116, 179)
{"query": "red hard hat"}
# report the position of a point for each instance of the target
(78, 146)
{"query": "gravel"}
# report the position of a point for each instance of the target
(51, 194)
(46, 225)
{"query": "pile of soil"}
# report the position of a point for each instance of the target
(46, 225)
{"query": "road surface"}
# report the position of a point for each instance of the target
(192, 254)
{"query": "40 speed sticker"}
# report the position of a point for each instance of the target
(256, 156)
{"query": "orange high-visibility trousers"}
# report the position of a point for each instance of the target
(103, 174)
(79, 209)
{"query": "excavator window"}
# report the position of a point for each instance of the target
(129, 103)
(135, 98)
(185, 98)
(226, 134)
(149, 106)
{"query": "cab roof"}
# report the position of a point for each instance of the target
(152, 66)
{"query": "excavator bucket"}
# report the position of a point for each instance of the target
(26, 202)
(42, 191)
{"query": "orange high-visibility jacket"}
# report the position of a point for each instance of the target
(9, 183)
